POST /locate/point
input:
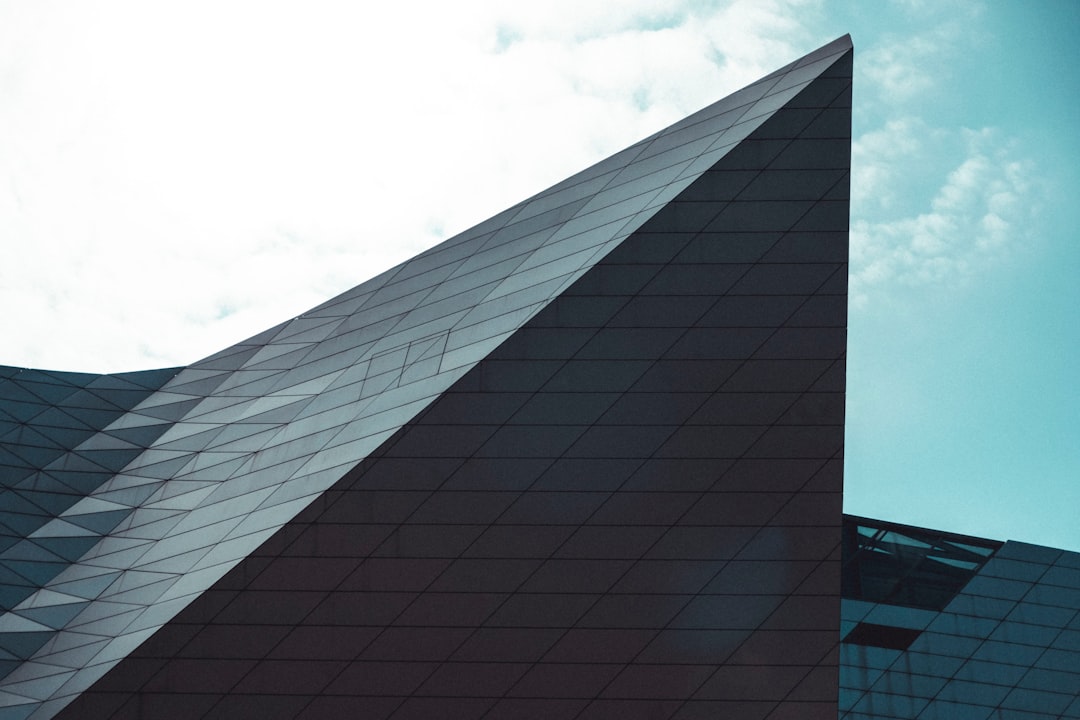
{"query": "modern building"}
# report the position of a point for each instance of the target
(942, 626)
(583, 460)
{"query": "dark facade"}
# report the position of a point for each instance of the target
(583, 460)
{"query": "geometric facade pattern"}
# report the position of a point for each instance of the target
(627, 507)
(955, 627)
(51, 456)
(582, 460)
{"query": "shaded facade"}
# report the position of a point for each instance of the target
(583, 461)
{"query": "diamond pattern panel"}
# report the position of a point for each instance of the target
(52, 455)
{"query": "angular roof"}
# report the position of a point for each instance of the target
(222, 453)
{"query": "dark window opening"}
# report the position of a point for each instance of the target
(903, 565)
(884, 636)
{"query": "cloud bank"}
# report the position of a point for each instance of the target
(978, 215)
(176, 177)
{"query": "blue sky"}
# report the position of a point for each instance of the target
(176, 177)
(963, 390)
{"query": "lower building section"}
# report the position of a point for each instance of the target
(548, 620)
(945, 627)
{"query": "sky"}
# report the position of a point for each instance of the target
(176, 177)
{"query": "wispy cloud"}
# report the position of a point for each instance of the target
(978, 215)
(882, 176)
(931, 204)
(906, 66)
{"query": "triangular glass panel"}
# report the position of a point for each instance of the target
(307, 387)
(75, 657)
(24, 644)
(48, 393)
(88, 587)
(32, 551)
(131, 497)
(152, 530)
(269, 352)
(169, 411)
(176, 488)
(282, 361)
(98, 522)
(55, 616)
(141, 379)
(308, 329)
(58, 528)
(231, 358)
(51, 503)
(249, 383)
(81, 482)
(36, 572)
(106, 441)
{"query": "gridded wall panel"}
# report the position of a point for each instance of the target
(1005, 643)
(630, 508)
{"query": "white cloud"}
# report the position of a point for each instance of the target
(174, 177)
(977, 216)
(903, 70)
(930, 205)
(906, 67)
(881, 173)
